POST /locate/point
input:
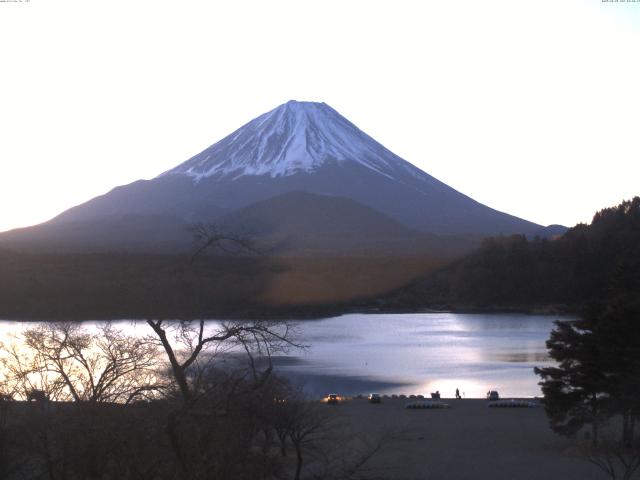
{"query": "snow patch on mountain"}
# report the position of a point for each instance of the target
(293, 138)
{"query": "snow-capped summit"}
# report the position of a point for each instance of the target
(302, 170)
(293, 138)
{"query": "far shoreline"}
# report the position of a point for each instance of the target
(301, 314)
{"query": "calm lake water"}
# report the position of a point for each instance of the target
(411, 353)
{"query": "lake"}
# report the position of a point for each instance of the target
(411, 353)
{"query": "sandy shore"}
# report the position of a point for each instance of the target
(467, 441)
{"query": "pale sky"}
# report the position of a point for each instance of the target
(531, 107)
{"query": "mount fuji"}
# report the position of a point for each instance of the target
(302, 176)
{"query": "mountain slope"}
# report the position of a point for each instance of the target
(153, 233)
(297, 147)
(304, 223)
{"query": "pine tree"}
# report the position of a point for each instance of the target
(575, 393)
(598, 372)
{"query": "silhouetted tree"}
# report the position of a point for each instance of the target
(617, 329)
(67, 362)
(194, 350)
(575, 392)
(598, 372)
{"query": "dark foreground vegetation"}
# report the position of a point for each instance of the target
(596, 382)
(516, 273)
(181, 402)
(595, 387)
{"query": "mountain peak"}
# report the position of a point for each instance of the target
(302, 104)
(296, 147)
(295, 137)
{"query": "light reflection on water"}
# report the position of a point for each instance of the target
(429, 352)
(411, 353)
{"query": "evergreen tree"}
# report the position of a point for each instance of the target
(616, 326)
(598, 372)
(575, 393)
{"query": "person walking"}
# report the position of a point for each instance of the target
(458, 393)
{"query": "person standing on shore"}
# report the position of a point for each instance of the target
(458, 393)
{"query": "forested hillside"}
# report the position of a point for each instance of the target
(516, 273)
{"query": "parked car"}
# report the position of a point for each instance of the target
(493, 395)
(375, 398)
(333, 398)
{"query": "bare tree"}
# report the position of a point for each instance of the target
(192, 348)
(67, 362)
(307, 424)
(209, 238)
(26, 372)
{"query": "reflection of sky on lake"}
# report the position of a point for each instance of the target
(431, 352)
(421, 352)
